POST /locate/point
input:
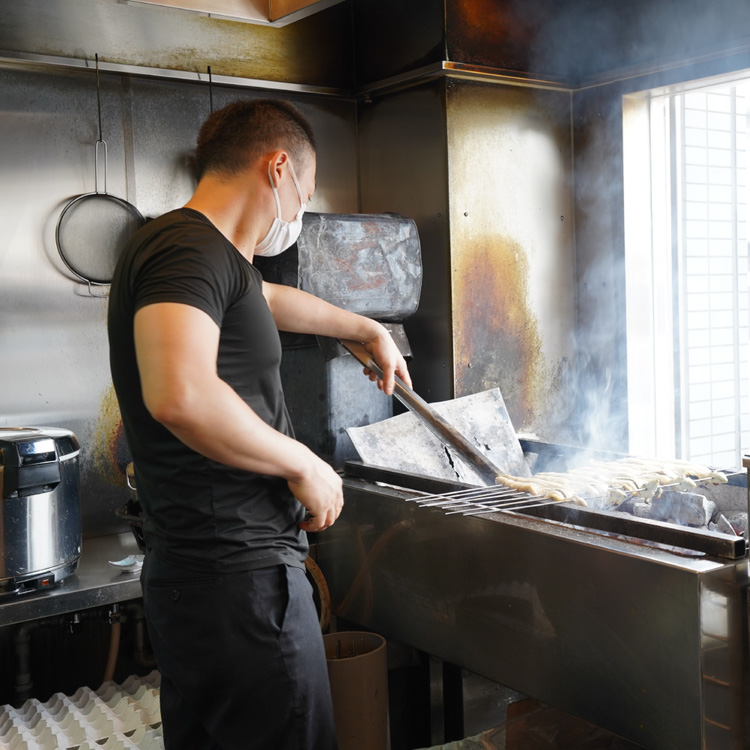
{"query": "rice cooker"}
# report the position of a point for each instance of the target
(40, 514)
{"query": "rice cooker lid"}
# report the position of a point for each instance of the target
(20, 446)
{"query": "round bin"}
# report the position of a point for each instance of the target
(358, 672)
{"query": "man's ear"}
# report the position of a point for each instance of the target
(278, 159)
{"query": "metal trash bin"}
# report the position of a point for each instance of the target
(358, 673)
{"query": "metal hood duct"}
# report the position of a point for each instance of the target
(265, 12)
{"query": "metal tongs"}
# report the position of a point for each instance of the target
(445, 431)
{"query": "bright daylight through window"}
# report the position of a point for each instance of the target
(686, 260)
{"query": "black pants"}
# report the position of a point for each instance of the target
(241, 659)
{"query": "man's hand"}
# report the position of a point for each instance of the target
(320, 491)
(387, 356)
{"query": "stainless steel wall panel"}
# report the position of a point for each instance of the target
(52, 333)
(600, 274)
(512, 248)
(404, 168)
(486, 171)
(168, 117)
(314, 51)
(393, 37)
(498, 33)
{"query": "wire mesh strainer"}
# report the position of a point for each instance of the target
(93, 228)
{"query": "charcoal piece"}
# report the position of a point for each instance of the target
(684, 508)
(738, 521)
(626, 506)
(641, 509)
(721, 524)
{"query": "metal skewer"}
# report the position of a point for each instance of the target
(480, 500)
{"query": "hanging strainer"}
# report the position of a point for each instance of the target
(93, 228)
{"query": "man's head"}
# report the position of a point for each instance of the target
(236, 136)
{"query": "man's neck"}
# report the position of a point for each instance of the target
(230, 206)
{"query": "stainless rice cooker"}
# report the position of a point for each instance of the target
(40, 514)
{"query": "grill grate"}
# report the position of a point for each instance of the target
(461, 500)
(478, 501)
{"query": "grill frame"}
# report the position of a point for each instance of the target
(682, 540)
(634, 638)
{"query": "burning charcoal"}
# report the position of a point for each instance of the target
(737, 520)
(641, 509)
(684, 508)
(626, 506)
(722, 525)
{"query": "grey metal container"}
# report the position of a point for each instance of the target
(40, 516)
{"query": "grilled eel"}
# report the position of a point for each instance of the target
(614, 480)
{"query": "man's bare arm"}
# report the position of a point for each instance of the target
(299, 312)
(176, 349)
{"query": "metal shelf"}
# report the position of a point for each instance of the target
(94, 584)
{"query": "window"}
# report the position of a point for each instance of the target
(686, 260)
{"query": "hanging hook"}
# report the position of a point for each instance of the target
(100, 150)
(98, 97)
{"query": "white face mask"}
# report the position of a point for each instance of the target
(282, 234)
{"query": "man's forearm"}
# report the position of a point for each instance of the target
(219, 425)
(297, 311)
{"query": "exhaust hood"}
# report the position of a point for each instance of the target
(265, 12)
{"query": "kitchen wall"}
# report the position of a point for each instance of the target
(53, 327)
(495, 124)
(313, 52)
(526, 292)
(485, 170)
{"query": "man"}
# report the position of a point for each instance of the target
(227, 492)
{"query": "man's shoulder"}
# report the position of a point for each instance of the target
(179, 220)
(178, 234)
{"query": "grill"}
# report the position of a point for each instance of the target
(636, 625)
(484, 501)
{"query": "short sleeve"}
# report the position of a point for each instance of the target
(197, 270)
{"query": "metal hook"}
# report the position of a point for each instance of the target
(98, 96)
(100, 144)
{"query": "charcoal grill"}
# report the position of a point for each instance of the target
(640, 627)
(637, 626)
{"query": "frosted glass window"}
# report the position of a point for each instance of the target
(698, 143)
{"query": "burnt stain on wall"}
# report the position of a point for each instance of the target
(497, 338)
(512, 251)
(109, 451)
(497, 34)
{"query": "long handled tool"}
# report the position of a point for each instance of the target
(443, 429)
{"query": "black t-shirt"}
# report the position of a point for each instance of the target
(200, 513)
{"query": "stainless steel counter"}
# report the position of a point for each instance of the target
(94, 584)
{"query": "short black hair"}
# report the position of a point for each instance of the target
(236, 135)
